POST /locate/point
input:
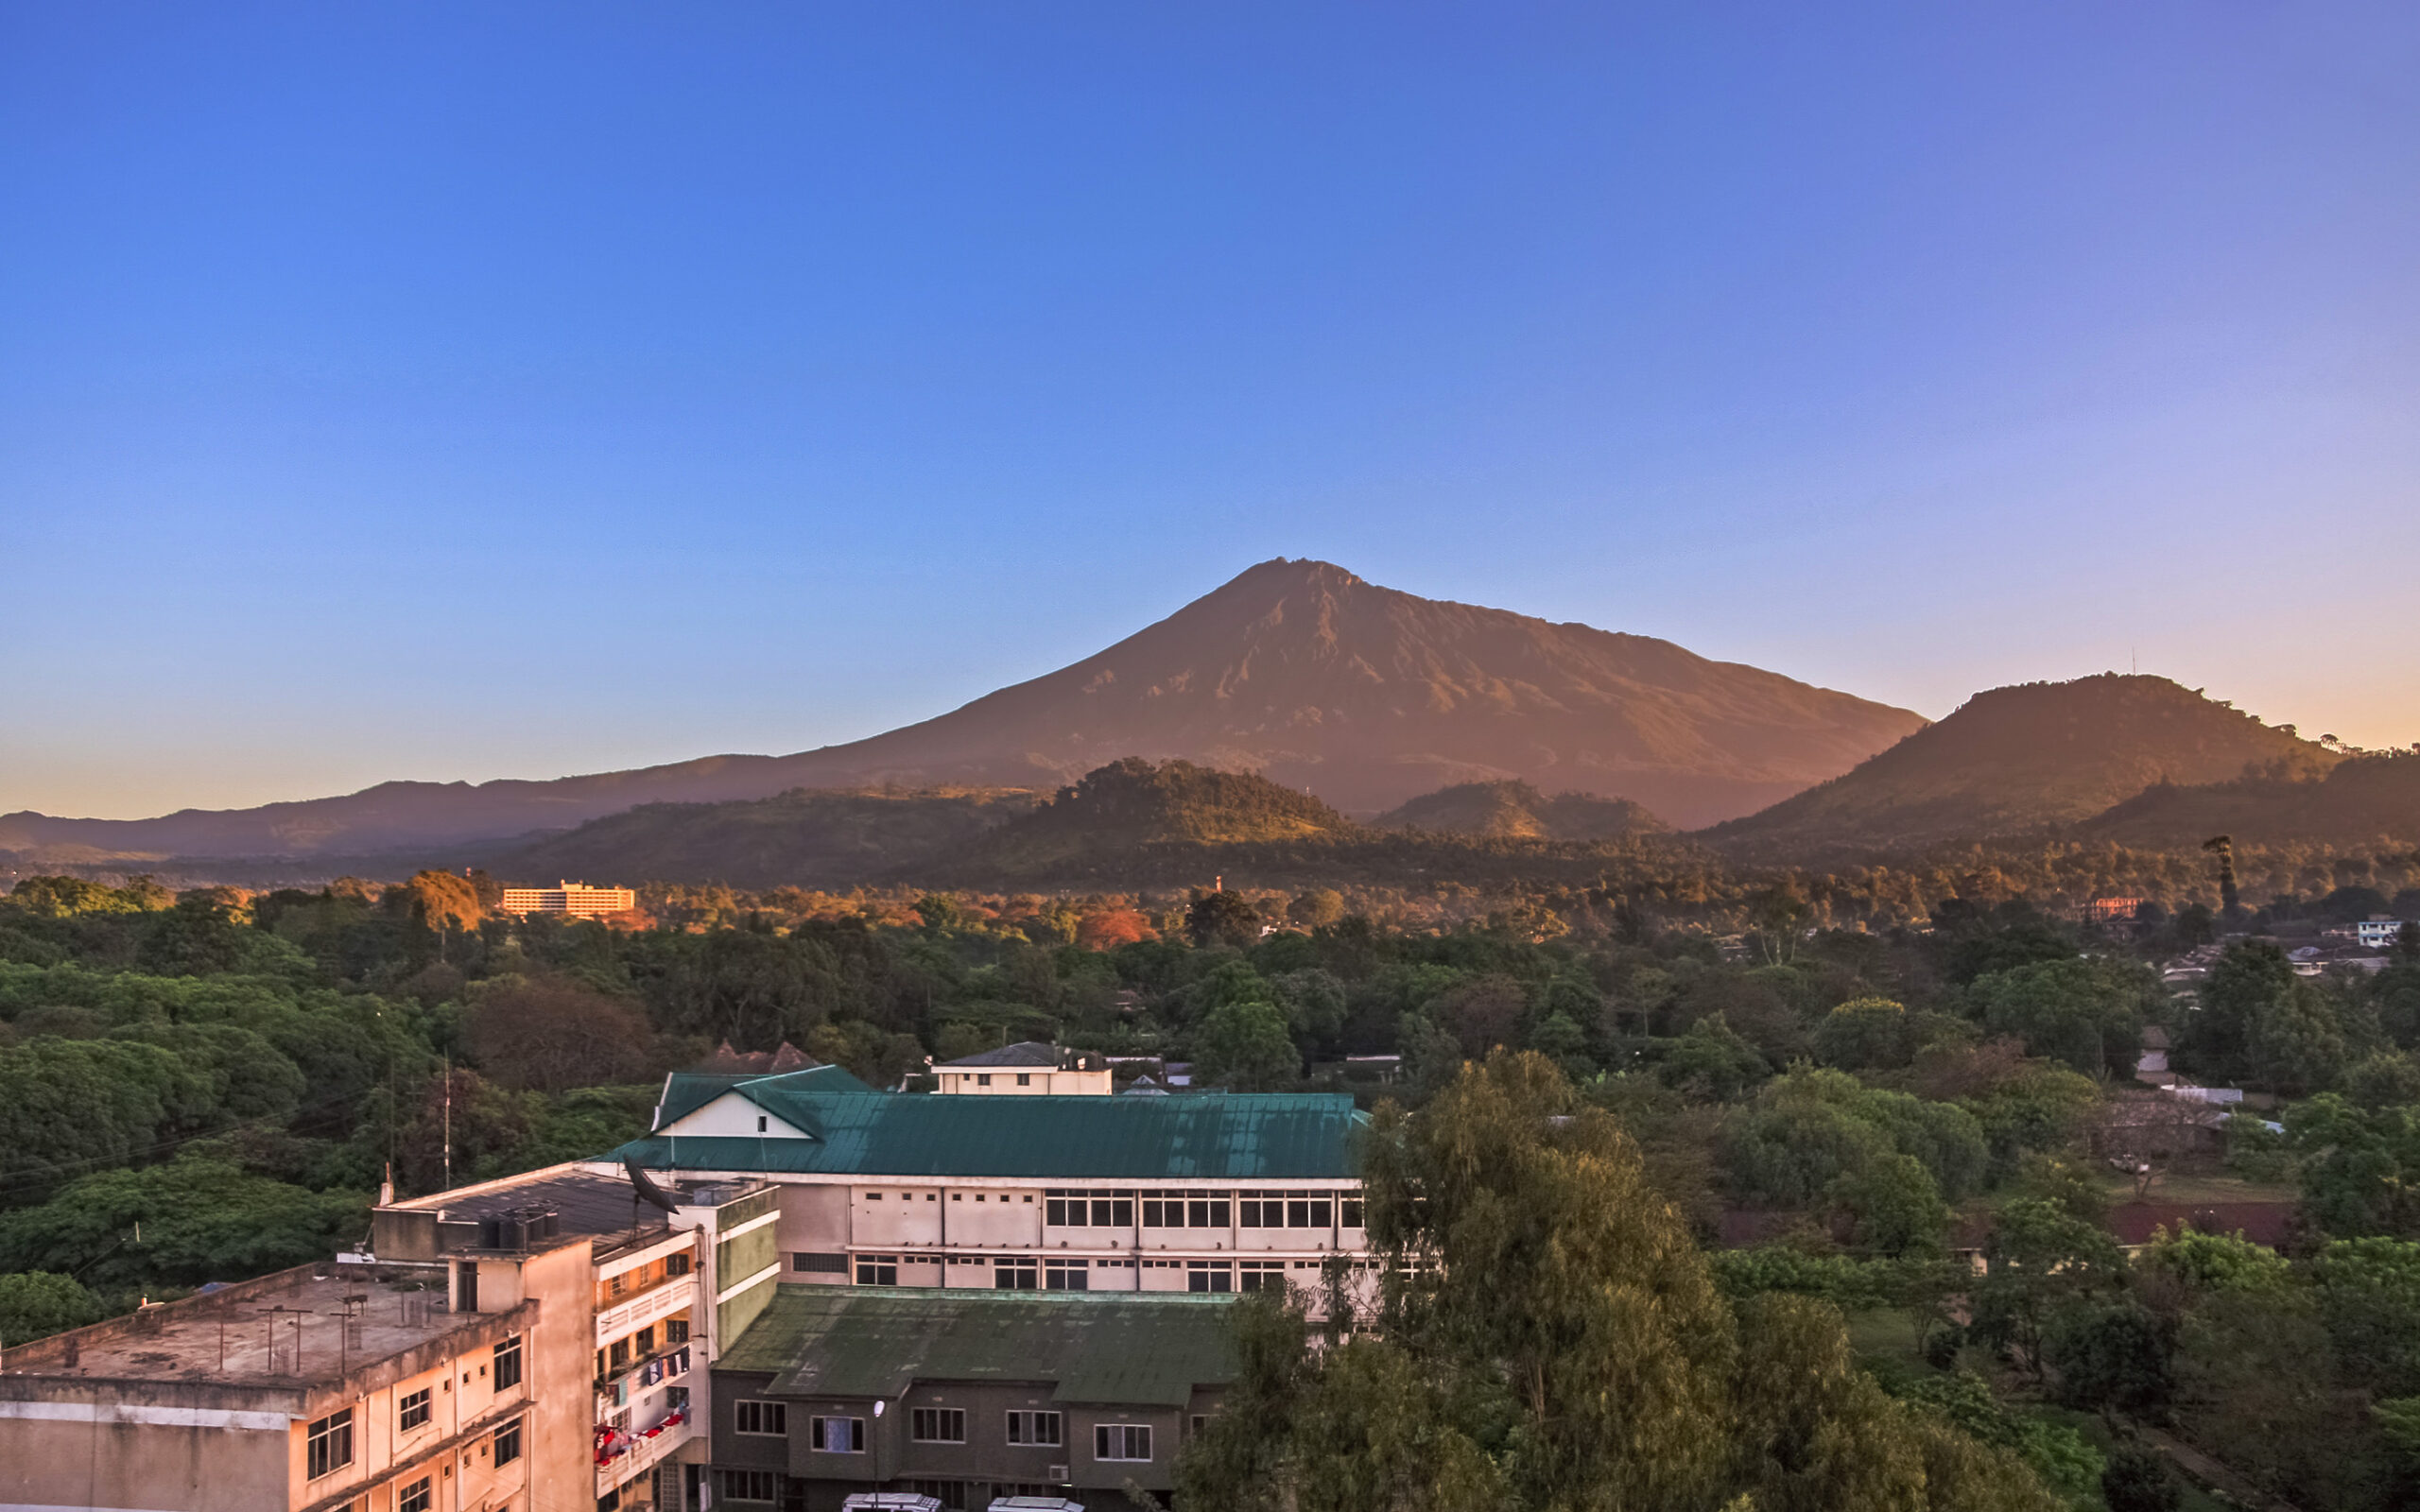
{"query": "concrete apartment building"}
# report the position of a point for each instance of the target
(573, 898)
(646, 1283)
(327, 1389)
(1028, 1067)
(964, 1396)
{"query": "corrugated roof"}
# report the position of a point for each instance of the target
(1260, 1136)
(686, 1091)
(1100, 1348)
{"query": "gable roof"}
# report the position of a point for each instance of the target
(686, 1091)
(1152, 1348)
(1263, 1136)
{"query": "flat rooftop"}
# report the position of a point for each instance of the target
(285, 1329)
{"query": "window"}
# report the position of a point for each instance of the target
(1016, 1273)
(676, 1331)
(1208, 1276)
(644, 1341)
(1088, 1210)
(1259, 1275)
(760, 1123)
(820, 1264)
(508, 1363)
(508, 1443)
(877, 1270)
(1349, 1211)
(748, 1485)
(839, 1436)
(678, 1265)
(983, 1081)
(1126, 1441)
(412, 1410)
(617, 1356)
(1034, 1428)
(937, 1425)
(415, 1498)
(950, 1494)
(1067, 1275)
(760, 1416)
(1025, 1078)
(1307, 1209)
(328, 1443)
(1187, 1210)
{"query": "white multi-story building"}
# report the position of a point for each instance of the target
(1203, 1193)
(2378, 934)
(1030, 1068)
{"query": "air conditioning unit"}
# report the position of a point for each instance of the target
(1056, 1475)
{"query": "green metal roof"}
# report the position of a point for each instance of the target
(1263, 1136)
(1094, 1347)
(686, 1091)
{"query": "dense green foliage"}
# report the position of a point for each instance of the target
(205, 1087)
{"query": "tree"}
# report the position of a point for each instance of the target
(2138, 1480)
(2360, 1167)
(1317, 909)
(1221, 918)
(2259, 1021)
(2088, 1014)
(202, 1220)
(2041, 1257)
(549, 1034)
(37, 1303)
(2109, 1354)
(1864, 1033)
(1244, 1047)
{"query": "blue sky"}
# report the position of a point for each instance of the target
(802, 370)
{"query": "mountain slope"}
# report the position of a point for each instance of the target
(2022, 759)
(1298, 669)
(1515, 809)
(808, 837)
(2362, 799)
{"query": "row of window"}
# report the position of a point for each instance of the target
(940, 1425)
(327, 1446)
(618, 1356)
(1071, 1209)
(955, 1496)
(327, 1443)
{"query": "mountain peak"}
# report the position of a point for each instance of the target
(2025, 757)
(1294, 668)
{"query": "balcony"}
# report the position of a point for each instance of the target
(676, 1294)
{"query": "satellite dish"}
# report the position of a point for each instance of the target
(644, 1186)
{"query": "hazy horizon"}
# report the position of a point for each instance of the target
(829, 370)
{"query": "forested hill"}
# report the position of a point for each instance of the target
(807, 838)
(1516, 811)
(1134, 805)
(2019, 759)
(2361, 801)
(1299, 669)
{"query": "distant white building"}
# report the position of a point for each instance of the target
(575, 897)
(1029, 1067)
(2378, 934)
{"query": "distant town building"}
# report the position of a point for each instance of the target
(2378, 934)
(2106, 910)
(1028, 1067)
(575, 897)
